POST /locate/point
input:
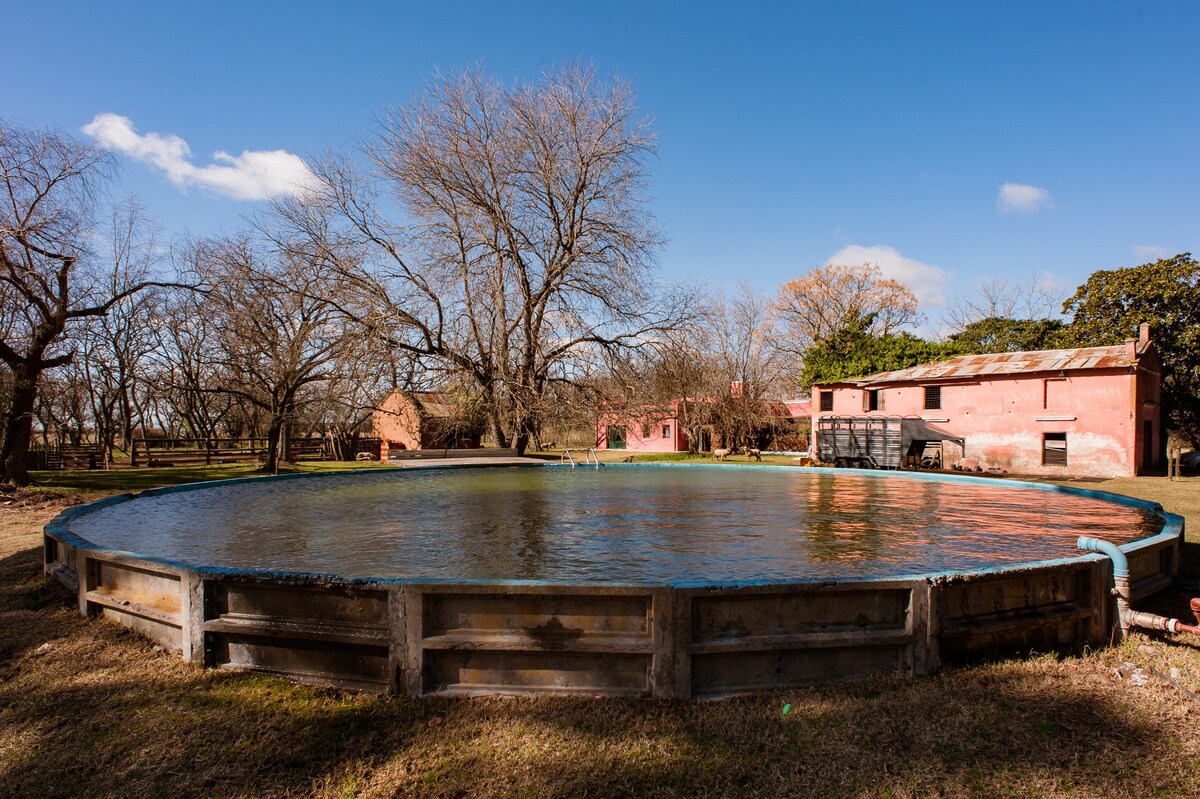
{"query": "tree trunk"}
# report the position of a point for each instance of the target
(127, 427)
(493, 417)
(273, 437)
(18, 424)
(523, 434)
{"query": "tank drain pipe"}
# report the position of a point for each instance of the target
(1129, 618)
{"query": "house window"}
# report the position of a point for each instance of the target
(826, 400)
(933, 398)
(645, 431)
(873, 400)
(1054, 449)
(666, 431)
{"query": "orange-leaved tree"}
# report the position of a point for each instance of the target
(827, 298)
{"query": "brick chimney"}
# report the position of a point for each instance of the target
(1130, 349)
(1144, 332)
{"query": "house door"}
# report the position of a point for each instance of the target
(1147, 446)
(615, 436)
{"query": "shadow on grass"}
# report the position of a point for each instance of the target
(27, 605)
(94, 732)
(105, 714)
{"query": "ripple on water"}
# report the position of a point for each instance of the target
(624, 524)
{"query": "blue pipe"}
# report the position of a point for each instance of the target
(1119, 561)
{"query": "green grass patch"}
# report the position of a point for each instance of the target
(115, 481)
(671, 457)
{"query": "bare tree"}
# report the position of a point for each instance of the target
(116, 346)
(62, 406)
(1039, 297)
(49, 277)
(275, 333)
(342, 406)
(749, 364)
(716, 374)
(186, 378)
(527, 241)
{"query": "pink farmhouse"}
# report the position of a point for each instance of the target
(1091, 411)
(647, 431)
(662, 430)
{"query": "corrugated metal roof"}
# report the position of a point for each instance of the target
(1011, 363)
(435, 403)
(799, 409)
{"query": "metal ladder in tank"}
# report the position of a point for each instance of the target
(589, 457)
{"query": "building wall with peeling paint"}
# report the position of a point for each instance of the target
(1111, 418)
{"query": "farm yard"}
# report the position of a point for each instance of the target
(500, 401)
(123, 717)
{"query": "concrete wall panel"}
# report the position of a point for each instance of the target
(547, 620)
(143, 599)
(468, 672)
(743, 672)
(322, 662)
(798, 612)
(327, 632)
(1018, 611)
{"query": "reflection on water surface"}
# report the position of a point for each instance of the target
(626, 524)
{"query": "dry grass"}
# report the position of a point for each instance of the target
(102, 713)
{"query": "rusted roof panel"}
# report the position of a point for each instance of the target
(1012, 363)
(435, 403)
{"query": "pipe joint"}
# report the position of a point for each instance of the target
(1121, 588)
(1119, 561)
(1152, 621)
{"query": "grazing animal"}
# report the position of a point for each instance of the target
(751, 452)
(721, 454)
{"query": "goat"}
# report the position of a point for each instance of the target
(751, 452)
(721, 454)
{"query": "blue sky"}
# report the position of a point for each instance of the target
(789, 134)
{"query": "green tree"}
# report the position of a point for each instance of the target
(999, 334)
(853, 351)
(1112, 303)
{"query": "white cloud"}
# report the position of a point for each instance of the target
(253, 175)
(1151, 252)
(928, 282)
(1021, 198)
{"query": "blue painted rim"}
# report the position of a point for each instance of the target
(1173, 526)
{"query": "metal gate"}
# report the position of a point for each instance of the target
(874, 441)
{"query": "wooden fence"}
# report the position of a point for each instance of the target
(67, 456)
(195, 451)
(163, 451)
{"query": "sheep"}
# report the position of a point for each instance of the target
(751, 452)
(721, 454)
